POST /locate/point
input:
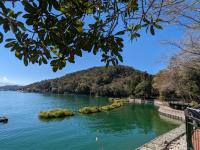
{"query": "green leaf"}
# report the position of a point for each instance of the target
(25, 61)
(158, 26)
(120, 58)
(78, 52)
(71, 59)
(107, 63)
(1, 37)
(113, 62)
(159, 20)
(89, 11)
(50, 5)
(120, 33)
(55, 4)
(40, 61)
(27, 16)
(79, 29)
(137, 27)
(55, 68)
(11, 44)
(6, 26)
(2, 6)
(17, 14)
(18, 55)
(29, 21)
(145, 20)
(47, 53)
(44, 60)
(28, 7)
(21, 25)
(41, 34)
(135, 35)
(152, 30)
(9, 40)
(1, 20)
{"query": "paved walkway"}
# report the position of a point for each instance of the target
(179, 144)
(162, 142)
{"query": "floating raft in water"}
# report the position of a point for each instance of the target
(3, 120)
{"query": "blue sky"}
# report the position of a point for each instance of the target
(146, 54)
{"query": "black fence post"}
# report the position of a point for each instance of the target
(192, 123)
(187, 129)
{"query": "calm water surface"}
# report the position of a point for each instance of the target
(125, 128)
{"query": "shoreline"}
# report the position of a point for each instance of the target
(165, 140)
(173, 139)
(168, 139)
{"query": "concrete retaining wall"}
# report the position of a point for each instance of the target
(161, 142)
(171, 113)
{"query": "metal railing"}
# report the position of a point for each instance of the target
(192, 129)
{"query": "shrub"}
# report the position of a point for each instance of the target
(56, 113)
(116, 104)
(105, 108)
(89, 110)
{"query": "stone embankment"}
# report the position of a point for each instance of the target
(171, 113)
(163, 110)
(165, 141)
(179, 144)
(172, 140)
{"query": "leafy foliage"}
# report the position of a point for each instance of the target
(59, 31)
(140, 85)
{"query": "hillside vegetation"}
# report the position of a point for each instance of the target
(9, 88)
(118, 81)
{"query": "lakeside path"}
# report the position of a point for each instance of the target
(179, 144)
(172, 140)
(166, 141)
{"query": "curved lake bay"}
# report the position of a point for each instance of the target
(125, 128)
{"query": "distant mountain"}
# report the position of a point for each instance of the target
(5, 83)
(9, 87)
(100, 81)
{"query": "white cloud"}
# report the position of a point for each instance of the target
(5, 81)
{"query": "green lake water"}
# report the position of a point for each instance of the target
(125, 128)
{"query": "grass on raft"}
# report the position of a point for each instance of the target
(89, 110)
(61, 113)
(94, 109)
(56, 113)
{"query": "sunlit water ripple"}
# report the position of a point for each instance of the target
(125, 128)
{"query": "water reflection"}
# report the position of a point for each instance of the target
(77, 101)
(124, 128)
(144, 118)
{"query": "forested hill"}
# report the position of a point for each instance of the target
(9, 87)
(101, 81)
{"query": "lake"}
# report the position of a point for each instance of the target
(124, 128)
